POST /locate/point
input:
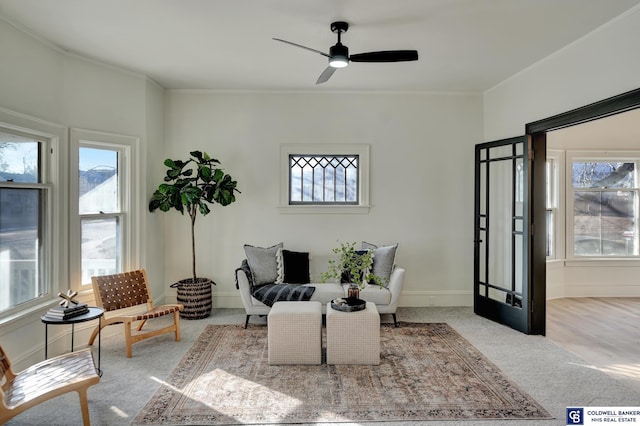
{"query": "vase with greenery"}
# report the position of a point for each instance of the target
(352, 266)
(192, 186)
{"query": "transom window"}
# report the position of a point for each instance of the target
(323, 179)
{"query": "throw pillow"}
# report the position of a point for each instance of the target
(262, 262)
(384, 259)
(293, 267)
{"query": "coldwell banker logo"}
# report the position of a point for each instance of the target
(575, 416)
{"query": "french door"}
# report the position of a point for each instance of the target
(507, 288)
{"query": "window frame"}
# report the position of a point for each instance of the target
(298, 149)
(53, 177)
(596, 156)
(128, 213)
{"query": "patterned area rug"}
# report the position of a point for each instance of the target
(426, 372)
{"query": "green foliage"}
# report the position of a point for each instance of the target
(354, 266)
(192, 186)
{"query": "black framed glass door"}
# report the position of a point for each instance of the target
(501, 285)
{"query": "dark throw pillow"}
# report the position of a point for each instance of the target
(293, 267)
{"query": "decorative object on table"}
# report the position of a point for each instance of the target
(192, 185)
(348, 304)
(73, 309)
(68, 298)
(353, 266)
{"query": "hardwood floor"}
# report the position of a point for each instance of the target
(605, 332)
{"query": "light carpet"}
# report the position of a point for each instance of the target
(427, 372)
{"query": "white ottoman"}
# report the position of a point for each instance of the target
(295, 333)
(353, 337)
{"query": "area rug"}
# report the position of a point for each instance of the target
(426, 372)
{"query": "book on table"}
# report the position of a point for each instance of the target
(63, 313)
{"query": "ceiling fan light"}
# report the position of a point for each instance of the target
(338, 62)
(339, 56)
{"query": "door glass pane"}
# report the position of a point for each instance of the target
(500, 215)
(100, 247)
(98, 181)
(482, 272)
(22, 246)
(501, 151)
(482, 208)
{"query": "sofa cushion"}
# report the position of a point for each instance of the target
(262, 262)
(293, 267)
(326, 292)
(373, 293)
(383, 260)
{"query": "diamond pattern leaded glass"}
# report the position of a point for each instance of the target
(323, 179)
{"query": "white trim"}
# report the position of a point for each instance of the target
(361, 150)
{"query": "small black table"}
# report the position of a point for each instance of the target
(94, 313)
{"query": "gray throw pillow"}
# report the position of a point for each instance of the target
(262, 262)
(384, 259)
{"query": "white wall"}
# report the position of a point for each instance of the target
(421, 183)
(42, 82)
(603, 64)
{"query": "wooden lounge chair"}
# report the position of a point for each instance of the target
(118, 292)
(45, 380)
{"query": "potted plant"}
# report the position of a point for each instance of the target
(353, 267)
(192, 186)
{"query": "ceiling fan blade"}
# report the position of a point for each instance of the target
(326, 75)
(301, 46)
(386, 56)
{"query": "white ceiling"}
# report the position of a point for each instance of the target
(464, 45)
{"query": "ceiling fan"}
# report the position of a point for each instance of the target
(339, 53)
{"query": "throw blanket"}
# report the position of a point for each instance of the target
(272, 293)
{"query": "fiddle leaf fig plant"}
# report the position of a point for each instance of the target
(192, 185)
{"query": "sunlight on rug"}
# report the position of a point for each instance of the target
(426, 372)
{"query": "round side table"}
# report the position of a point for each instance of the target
(94, 313)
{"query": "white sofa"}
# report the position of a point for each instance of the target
(385, 298)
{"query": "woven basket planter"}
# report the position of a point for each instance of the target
(196, 297)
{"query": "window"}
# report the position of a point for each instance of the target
(33, 234)
(555, 230)
(24, 218)
(324, 178)
(102, 204)
(605, 205)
